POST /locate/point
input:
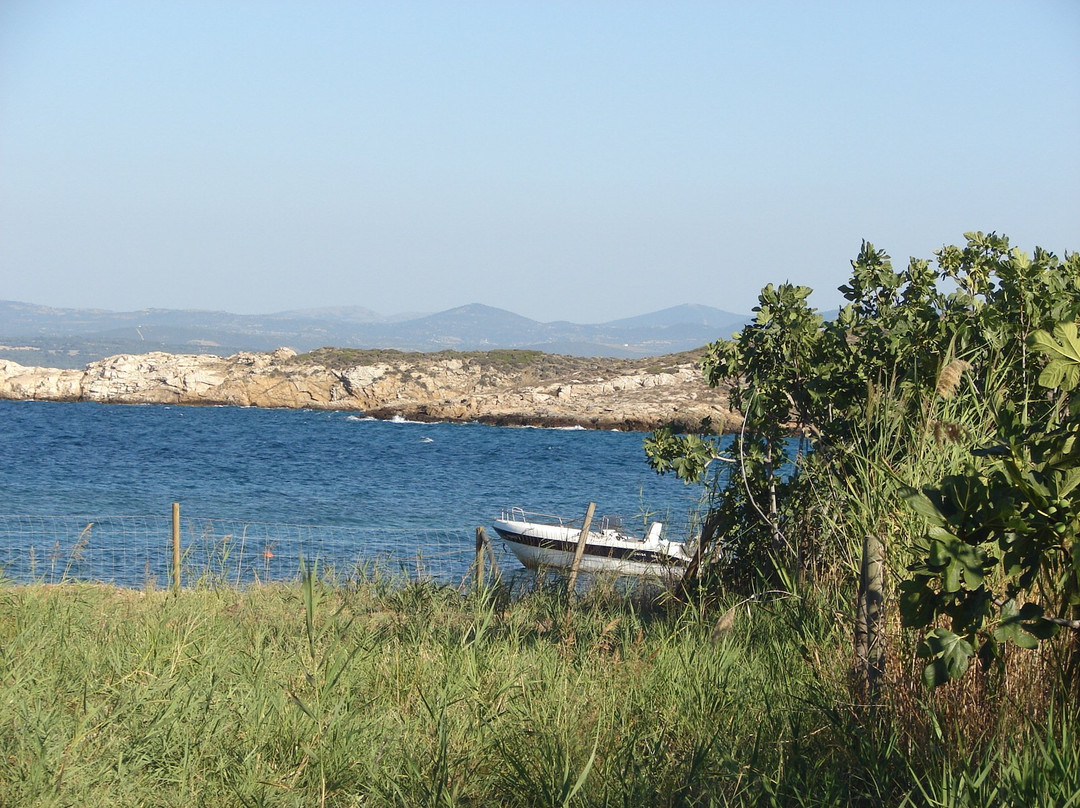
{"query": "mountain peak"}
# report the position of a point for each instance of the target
(73, 337)
(685, 314)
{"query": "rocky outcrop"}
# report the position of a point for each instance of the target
(467, 387)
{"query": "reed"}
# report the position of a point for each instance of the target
(320, 693)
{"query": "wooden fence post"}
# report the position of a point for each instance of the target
(495, 573)
(583, 537)
(176, 546)
(869, 632)
(483, 546)
(480, 541)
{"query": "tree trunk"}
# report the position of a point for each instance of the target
(693, 569)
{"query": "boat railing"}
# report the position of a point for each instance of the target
(601, 523)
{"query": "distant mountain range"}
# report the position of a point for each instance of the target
(39, 335)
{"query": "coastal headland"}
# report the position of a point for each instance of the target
(504, 387)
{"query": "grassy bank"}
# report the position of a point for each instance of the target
(371, 694)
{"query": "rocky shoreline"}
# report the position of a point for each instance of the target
(499, 387)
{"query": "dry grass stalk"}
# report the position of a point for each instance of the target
(723, 625)
(947, 432)
(949, 379)
(975, 711)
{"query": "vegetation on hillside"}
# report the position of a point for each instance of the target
(535, 365)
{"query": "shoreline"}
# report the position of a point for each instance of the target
(485, 388)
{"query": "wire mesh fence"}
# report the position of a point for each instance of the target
(137, 551)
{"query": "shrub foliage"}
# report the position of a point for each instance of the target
(937, 412)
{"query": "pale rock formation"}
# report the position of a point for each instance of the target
(48, 384)
(416, 386)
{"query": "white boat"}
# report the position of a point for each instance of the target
(549, 542)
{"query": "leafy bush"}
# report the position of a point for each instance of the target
(953, 379)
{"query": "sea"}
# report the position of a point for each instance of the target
(87, 491)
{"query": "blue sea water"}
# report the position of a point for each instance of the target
(85, 463)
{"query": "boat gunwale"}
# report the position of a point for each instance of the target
(615, 546)
(604, 524)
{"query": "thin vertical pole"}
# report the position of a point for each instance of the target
(176, 546)
(869, 634)
(583, 537)
(495, 574)
(480, 537)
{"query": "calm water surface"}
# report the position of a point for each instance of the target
(96, 461)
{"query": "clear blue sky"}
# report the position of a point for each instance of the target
(564, 160)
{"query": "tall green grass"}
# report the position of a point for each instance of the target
(416, 695)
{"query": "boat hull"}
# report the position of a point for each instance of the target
(541, 546)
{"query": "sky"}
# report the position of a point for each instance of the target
(581, 161)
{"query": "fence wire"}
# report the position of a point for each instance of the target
(136, 551)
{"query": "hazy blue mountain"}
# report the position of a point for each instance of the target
(357, 314)
(42, 335)
(686, 314)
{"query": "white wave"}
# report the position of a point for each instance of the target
(397, 419)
